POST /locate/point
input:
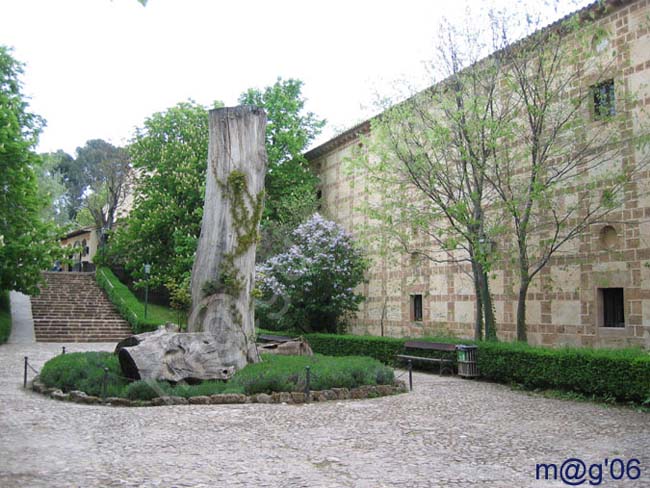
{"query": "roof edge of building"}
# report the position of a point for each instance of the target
(598, 7)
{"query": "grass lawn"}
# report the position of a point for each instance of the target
(5, 317)
(164, 314)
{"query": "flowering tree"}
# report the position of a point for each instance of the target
(311, 286)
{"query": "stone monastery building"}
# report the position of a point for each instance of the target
(595, 293)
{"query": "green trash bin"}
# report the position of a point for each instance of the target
(467, 366)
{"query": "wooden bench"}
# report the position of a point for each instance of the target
(445, 359)
(274, 338)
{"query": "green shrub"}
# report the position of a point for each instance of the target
(288, 373)
(127, 304)
(312, 285)
(623, 375)
(5, 317)
(147, 390)
(84, 371)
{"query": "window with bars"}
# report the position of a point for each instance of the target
(604, 99)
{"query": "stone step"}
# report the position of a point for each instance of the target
(78, 313)
(72, 312)
(73, 338)
(72, 308)
(99, 323)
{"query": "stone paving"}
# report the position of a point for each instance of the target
(448, 432)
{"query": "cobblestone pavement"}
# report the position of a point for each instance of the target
(448, 432)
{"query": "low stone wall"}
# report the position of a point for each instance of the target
(363, 392)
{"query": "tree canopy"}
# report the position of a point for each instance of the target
(51, 187)
(108, 180)
(290, 184)
(169, 155)
(27, 244)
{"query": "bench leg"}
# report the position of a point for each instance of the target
(410, 367)
(447, 365)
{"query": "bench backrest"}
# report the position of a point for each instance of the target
(430, 346)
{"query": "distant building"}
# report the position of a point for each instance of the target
(81, 245)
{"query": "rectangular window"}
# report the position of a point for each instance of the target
(613, 307)
(416, 308)
(604, 99)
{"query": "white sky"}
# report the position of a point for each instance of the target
(98, 68)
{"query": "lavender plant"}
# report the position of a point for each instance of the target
(311, 286)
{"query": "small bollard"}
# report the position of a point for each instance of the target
(25, 376)
(104, 383)
(307, 384)
(410, 366)
(63, 350)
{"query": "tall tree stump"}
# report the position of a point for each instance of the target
(224, 268)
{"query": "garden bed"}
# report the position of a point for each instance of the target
(95, 378)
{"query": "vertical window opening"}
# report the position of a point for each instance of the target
(416, 308)
(613, 307)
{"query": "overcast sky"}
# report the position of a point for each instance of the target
(98, 68)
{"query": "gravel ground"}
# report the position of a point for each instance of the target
(448, 432)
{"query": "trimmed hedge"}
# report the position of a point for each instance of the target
(5, 317)
(622, 375)
(127, 304)
(383, 349)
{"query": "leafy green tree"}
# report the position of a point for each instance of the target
(27, 244)
(169, 155)
(290, 184)
(108, 177)
(96, 181)
(52, 189)
(75, 179)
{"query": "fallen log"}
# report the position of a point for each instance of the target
(295, 347)
(163, 355)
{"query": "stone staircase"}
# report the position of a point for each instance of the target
(72, 308)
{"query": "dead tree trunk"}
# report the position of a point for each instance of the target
(223, 272)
